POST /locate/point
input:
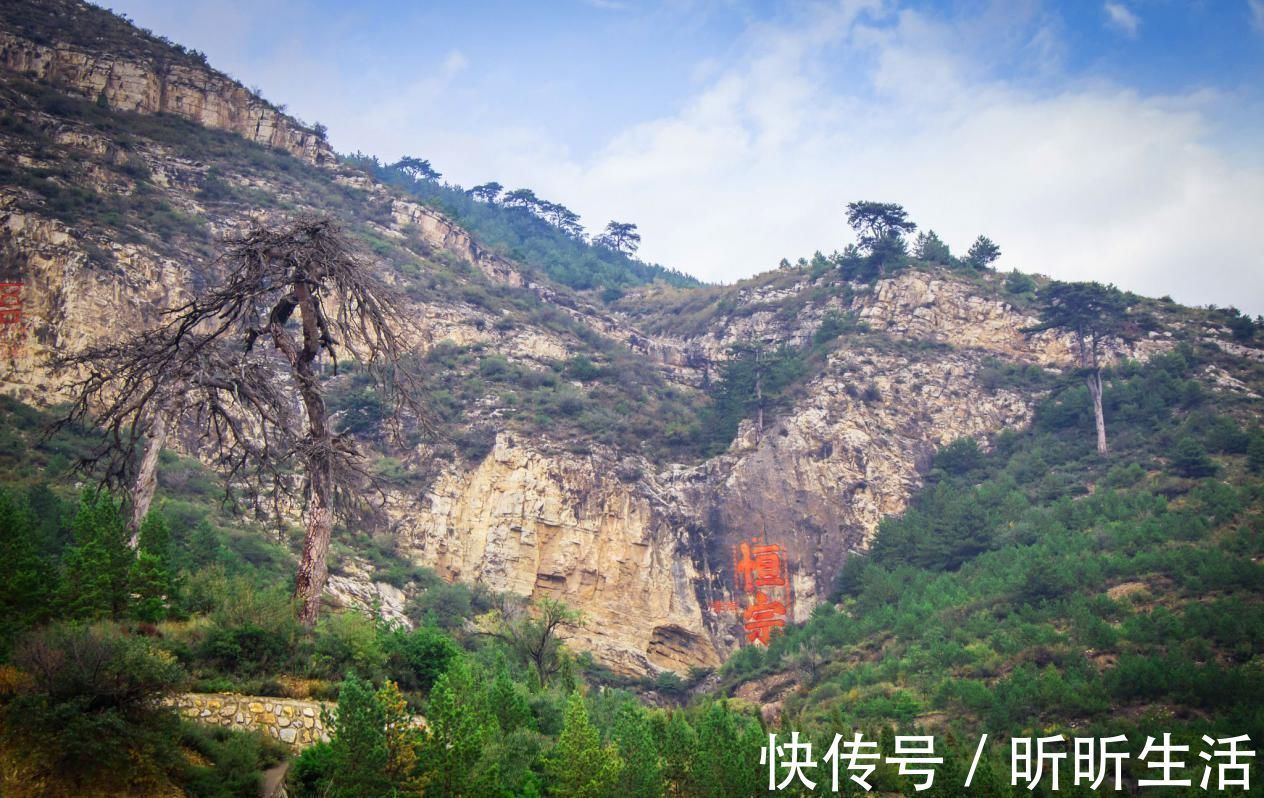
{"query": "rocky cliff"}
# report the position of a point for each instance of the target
(108, 216)
(143, 74)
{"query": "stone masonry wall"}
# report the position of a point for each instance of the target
(295, 723)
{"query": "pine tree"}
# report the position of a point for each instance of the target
(677, 744)
(1093, 313)
(642, 775)
(509, 703)
(987, 783)
(150, 583)
(203, 547)
(459, 724)
(359, 753)
(99, 563)
(155, 538)
(26, 578)
(401, 742)
(949, 778)
(727, 758)
(1190, 459)
(930, 247)
(1255, 451)
(150, 579)
(983, 252)
(579, 766)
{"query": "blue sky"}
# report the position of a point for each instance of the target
(1117, 141)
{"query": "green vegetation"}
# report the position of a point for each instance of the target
(542, 235)
(1037, 587)
(607, 397)
(83, 662)
(79, 715)
(69, 23)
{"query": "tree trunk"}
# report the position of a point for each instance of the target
(759, 399)
(313, 568)
(309, 583)
(1093, 378)
(1094, 381)
(147, 477)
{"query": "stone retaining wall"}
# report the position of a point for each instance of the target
(295, 723)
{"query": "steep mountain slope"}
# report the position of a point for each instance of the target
(580, 456)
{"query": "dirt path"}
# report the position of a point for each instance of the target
(274, 780)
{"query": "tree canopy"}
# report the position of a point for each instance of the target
(878, 224)
(417, 168)
(621, 237)
(983, 253)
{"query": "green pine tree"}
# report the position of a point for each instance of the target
(459, 725)
(579, 766)
(509, 702)
(27, 580)
(155, 538)
(642, 775)
(677, 742)
(358, 741)
(1190, 459)
(987, 783)
(727, 758)
(97, 566)
(150, 584)
(1255, 450)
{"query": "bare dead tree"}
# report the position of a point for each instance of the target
(259, 416)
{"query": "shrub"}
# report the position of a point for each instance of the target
(90, 712)
(345, 642)
(475, 442)
(1018, 283)
(447, 605)
(312, 771)
(1190, 459)
(247, 649)
(236, 759)
(416, 659)
(960, 457)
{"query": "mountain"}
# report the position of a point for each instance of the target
(853, 491)
(861, 491)
(581, 456)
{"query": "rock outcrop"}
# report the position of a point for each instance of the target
(568, 527)
(149, 83)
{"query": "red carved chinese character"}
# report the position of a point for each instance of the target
(762, 616)
(10, 296)
(724, 606)
(760, 566)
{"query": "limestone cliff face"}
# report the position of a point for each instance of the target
(648, 557)
(200, 94)
(68, 303)
(819, 479)
(567, 527)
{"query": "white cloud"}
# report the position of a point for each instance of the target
(1256, 10)
(1093, 182)
(1123, 18)
(854, 101)
(453, 63)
